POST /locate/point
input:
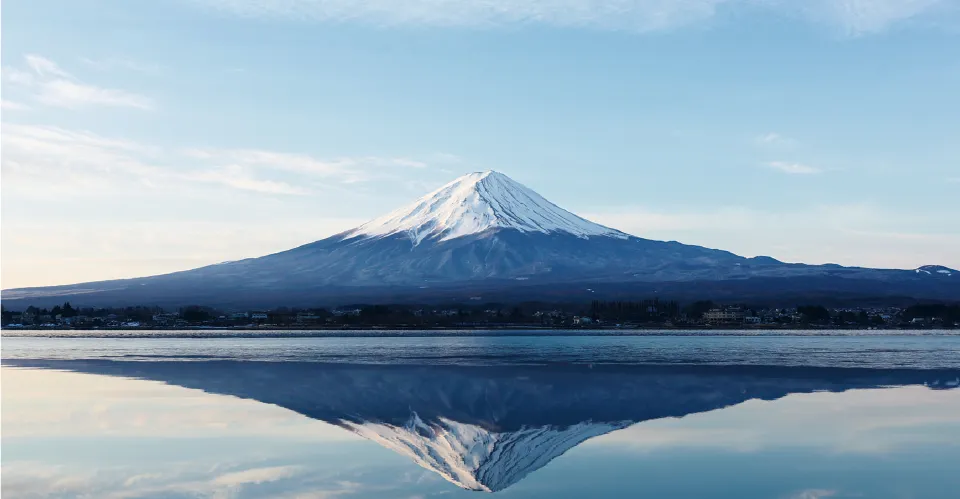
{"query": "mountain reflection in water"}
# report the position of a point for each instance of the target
(487, 427)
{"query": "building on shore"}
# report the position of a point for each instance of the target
(718, 316)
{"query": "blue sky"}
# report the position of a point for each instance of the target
(146, 137)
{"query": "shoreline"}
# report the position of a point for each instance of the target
(226, 333)
(503, 327)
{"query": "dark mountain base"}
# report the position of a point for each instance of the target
(767, 291)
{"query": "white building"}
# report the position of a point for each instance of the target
(724, 316)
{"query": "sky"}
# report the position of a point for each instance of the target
(147, 137)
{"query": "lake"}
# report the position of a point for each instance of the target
(793, 415)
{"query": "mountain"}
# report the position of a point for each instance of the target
(476, 458)
(487, 235)
(477, 203)
(487, 427)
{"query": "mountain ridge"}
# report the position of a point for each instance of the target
(476, 458)
(475, 203)
(484, 231)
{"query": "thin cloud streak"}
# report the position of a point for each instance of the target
(346, 170)
(45, 67)
(256, 475)
(237, 177)
(53, 86)
(814, 494)
(113, 63)
(633, 15)
(774, 139)
(793, 168)
(852, 17)
(861, 17)
(42, 155)
(13, 106)
(69, 94)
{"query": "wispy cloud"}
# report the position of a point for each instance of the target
(256, 475)
(45, 67)
(113, 63)
(238, 177)
(13, 106)
(189, 478)
(851, 16)
(83, 160)
(774, 139)
(30, 479)
(813, 494)
(636, 15)
(348, 170)
(793, 168)
(18, 76)
(859, 17)
(53, 86)
(70, 94)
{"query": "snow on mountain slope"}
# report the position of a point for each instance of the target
(477, 202)
(935, 269)
(474, 458)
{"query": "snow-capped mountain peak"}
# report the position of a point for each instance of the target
(475, 458)
(475, 203)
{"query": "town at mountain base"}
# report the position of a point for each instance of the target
(487, 237)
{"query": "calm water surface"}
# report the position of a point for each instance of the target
(730, 416)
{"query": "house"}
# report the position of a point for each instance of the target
(307, 318)
(165, 318)
(551, 313)
(342, 312)
(258, 316)
(731, 315)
